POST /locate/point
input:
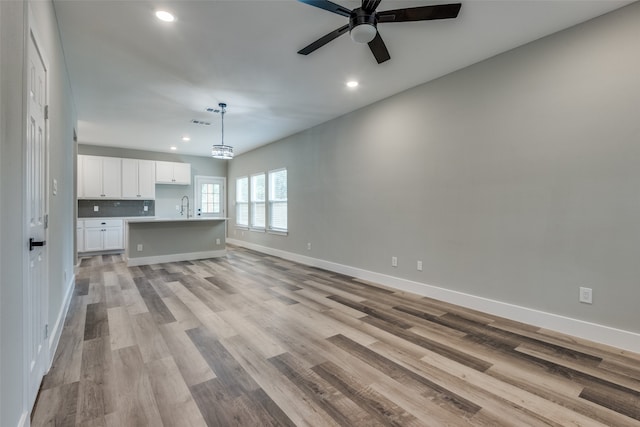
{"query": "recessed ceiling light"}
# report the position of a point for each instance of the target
(165, 16)
(352, 84)
(186, 138)
(173, 148)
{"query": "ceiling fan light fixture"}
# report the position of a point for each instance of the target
(363, 33)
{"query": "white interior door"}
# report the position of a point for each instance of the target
(36, 292)
(209, 197)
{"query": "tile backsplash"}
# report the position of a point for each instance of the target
(115, 208)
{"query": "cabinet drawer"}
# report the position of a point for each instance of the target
(98, 223)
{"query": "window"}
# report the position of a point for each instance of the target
(209, 196)
(258, 199)
(278, 200)
(242, 201)
(261, 201)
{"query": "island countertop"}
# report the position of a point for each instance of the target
(156, 219)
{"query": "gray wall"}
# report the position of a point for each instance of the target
(167, 196)
(13, 32)
(178, 237)
(515, 179)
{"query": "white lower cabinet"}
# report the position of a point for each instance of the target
(103, 235)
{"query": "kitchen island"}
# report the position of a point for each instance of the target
(158, 240)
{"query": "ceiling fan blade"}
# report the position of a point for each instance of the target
(324, 40)
(370, 5)
(379, 49)
(327, 5)
(423, 13)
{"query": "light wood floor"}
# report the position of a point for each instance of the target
(254, 340)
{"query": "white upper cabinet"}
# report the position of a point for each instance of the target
(101, 177)
(173, 173)
(138, 179)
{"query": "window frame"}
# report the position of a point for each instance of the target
(266, 202)
(270, 202)
(238, 224)
(252, 203)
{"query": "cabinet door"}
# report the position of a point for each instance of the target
(113, 238)
(146, 179)
(182, 173)
(112, 177)
(130, 179)
(92, 177)
(93, 239)
(164, 172)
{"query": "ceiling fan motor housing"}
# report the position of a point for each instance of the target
(362, 26)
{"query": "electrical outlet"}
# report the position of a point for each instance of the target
(586, 295)
(139, 248)
(217, 241)
(394, 261)
(96, 208)
(419, 266)
(309, 246)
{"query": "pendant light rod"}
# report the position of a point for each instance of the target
(223, 109)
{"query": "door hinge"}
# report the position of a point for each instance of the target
(46, 221)
(46, 331)
(46, 112)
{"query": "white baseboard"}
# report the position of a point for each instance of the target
(56, 331)
(619, 338)
(132, 262)
(24, 420)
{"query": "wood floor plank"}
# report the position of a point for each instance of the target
(120, 330)
(344, 411)
(154, 303)
(94, 394)
(175, 403)
(302, 412)
(149, 340)
(203, 313)
(436, 392)
(192, 366)
(96, 323)
(67, 361)
(57, 406)
(228, 371)
(376, 405)
(136, 402)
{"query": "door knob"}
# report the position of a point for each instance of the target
(34, 243)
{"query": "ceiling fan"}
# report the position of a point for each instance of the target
(363, 22)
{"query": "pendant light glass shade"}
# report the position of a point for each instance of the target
(222, 151)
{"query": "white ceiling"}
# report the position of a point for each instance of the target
(137, 82)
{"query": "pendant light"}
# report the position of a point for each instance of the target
(221, 151)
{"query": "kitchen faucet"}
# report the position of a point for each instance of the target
(182, 206)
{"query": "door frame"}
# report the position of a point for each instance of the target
(32, 33)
